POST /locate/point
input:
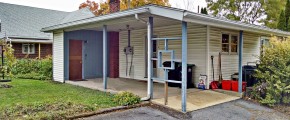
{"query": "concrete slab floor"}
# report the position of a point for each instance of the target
(196, 98)
(137, 87)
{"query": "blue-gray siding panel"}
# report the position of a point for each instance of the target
(92, 52)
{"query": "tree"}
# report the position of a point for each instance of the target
(288, 26)
(104, 8)
(287, 14)
(282, 21)
(272, 7)
(94, 7)
(137, 3)
(240, 10)
(203, 11)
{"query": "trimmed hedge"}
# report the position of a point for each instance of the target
(126, 98)
(40, 69)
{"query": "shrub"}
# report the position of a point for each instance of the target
(274, 74)
(126, 98)
(40, 69)
(9, 58)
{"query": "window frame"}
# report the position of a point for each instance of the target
(263, 40)
(28, 52)
(229, 52)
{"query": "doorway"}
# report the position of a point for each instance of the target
(75, 59)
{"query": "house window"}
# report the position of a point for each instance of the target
(229, 43)
(265, 42)
(225, 43)
(234, 44)
(28, 48)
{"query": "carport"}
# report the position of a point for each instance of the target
(183, 36)
(139, 18)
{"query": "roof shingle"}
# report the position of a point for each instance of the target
(19, 21)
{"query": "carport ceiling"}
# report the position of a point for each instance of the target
(121, 23)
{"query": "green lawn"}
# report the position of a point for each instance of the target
(43, 99)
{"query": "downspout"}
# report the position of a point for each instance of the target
(149, 85)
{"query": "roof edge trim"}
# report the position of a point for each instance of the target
(230, 24)
(96, 19)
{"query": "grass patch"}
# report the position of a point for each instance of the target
(48, 100)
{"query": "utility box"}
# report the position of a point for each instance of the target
(176, 74)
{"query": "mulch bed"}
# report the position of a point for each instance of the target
(280, 108)
(283, 109)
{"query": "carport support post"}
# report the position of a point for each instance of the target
(184, 65)
(105, 53)
(240, 61)
(149, 57)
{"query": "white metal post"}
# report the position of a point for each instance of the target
(241, 41)
(207, 56)
(150, 54)
(184, 65)
(105, 54)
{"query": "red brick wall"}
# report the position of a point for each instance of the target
(46, 49)
(114, 54)
(114, 6)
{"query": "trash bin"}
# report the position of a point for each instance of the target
(248, 75)
(176, 74)
(172, 74)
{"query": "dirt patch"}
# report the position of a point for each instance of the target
(107, 111)
(280, 108)
(172, 112)
(5, 86)
(283, 108)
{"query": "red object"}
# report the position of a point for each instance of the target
(214, 85)
(114, 54)
(235, 86)
(75, 59)
(227, 84)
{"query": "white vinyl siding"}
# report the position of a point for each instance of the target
(196, 49)
(58, 57)
(251, 49)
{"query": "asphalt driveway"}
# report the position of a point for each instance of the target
(235, 110)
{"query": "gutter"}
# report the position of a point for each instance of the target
(149, 84)
(31, 41)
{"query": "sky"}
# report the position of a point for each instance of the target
(72, 5)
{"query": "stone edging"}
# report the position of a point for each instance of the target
(108, 110)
